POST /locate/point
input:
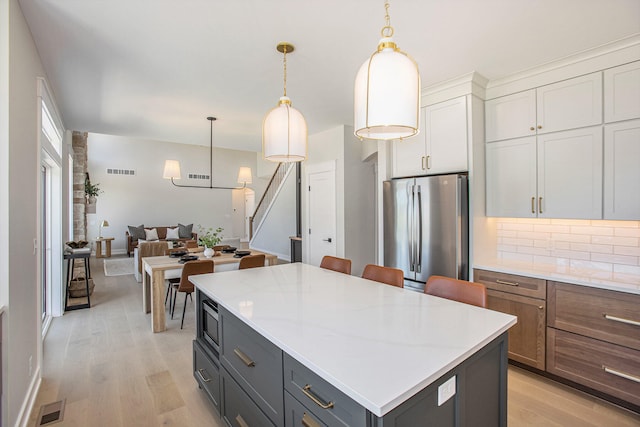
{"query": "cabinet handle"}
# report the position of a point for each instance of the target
(502, 282)
(621, 374)
(533, 205)
(428, 162)
(532, 128)
(540, 205)
(307, 391)
(539, 126)
(307, 421)
(423, 164)
(246, 359)
(621, 320)
(241, 422)
(201, 375)
(540, 307)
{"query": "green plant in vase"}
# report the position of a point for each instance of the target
(209, 237)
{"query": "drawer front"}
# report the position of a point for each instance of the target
(514, 284)
(255, 363)
(609, 368)
(238, 410)
(207, 374)
(325, 401)
(296, 415)
(605, 315)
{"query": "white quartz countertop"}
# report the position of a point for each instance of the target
(376, 343)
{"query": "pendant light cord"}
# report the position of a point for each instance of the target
(285, 69)
(387, 30)
(211, 119)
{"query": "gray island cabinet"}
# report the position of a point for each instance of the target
(296, 345)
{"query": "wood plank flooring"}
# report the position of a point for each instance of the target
(114, 371)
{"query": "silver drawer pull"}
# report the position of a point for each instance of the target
(621, 320)
(621, 374)
(307, 391)
(246, 359)
(201, 375)
(502, 282)
(241, 422)
(307, 421)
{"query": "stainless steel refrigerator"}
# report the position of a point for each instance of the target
(426, 227)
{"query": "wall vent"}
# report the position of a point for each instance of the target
(114, 171)
(198, 176)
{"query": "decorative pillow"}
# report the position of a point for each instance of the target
(151, 234)
(137, 233)
(184, 231)
(173, 233)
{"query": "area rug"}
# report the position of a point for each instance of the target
(118, 267)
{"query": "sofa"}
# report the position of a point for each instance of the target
(132, 239)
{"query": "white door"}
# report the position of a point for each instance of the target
(321, 213)
(445, 129)
(409, 156)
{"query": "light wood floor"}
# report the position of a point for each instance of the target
(113, 371)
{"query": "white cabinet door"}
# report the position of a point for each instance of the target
(511, 116)
(445, 129)
(622, 92)
(622, 171)
(511, 178)
(570, 174)
(409, 155)
(570, 104)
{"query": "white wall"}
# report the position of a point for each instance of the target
(18, 196)
(146, 198)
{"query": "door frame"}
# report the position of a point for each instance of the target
(328, 166)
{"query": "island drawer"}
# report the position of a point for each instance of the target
(296, 414)
(237, 408)
(255, 363)
(605, 367)
(207, 374)
(598, 313)
(511, 283)
(326, 402)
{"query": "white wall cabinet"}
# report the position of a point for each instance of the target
(557, 175)
(564, 105)
(441, 146)
(622, 171)
(622, 92)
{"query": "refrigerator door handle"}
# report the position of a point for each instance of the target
(410, 224)
(419, 239)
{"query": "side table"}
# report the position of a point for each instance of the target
(71, 257)
(107, 244)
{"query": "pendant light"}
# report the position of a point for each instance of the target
(387, 91)
(172, 168)
(284, 129)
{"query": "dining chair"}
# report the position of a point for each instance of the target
(252, 261)
(341, 265)
(191, 268)
(388, 275)
(457, 290)
(168, 276)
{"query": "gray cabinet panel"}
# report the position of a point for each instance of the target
(237, 408)
(207, 374)
(297, 415)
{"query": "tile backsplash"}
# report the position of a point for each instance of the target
(611, 246)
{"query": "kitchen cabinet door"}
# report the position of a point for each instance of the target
(409, 155)
(570, 174)
(511, 116)
(511, 178)
(569, 104)
(622, 92)
(622, 171)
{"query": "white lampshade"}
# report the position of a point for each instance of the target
(387, 95)
(104, 223)
(284, 134)
(244, 175)
(171, 169)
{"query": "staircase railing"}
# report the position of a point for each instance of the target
(267, 197)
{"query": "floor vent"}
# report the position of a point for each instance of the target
(51, 413)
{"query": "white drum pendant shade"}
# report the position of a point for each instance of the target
(284, 134)
(387, 95)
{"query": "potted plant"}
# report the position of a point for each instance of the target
(91, 191)
(209, 238)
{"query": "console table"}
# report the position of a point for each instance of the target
(107, 244)
(71, 258)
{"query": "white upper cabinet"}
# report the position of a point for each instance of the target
(441, 145)
(622, 171)
(568, 104)
(622, 92)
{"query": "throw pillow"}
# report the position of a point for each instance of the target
(137, 233)
(151, 234)
(173, 233)
(185, 231)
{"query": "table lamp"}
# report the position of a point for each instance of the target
(104, 223)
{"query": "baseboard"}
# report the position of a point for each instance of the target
(29, 401)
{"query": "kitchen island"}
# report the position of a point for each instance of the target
(346, 351)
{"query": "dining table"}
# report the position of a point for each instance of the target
(153, 280)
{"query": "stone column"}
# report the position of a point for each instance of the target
(79, 145)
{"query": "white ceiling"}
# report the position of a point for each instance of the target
(155, 69)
